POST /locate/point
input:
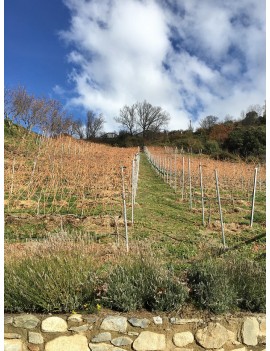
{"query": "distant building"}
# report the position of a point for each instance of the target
(109, 135)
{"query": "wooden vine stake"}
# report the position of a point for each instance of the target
(124, 206)
(190, 187)
(132, 191)
(202, 196)
(220, 211)
(253, 196)
(183, 177)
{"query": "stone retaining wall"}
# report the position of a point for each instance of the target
(123, 333)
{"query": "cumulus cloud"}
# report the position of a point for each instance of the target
(192, 59)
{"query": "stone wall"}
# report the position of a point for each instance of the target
(124, 333)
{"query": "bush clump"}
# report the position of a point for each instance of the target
(225, 284)
(143, 284)
(48, 284)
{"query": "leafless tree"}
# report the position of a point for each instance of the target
(79, 128)
(151, 118)
(208, 122)
(94, 124)
(127, 118)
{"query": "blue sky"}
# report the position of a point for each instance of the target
(191, 57)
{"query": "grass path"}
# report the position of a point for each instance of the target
(162, 218)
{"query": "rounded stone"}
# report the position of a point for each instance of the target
(26, 321)
(149, 341)
(68, 343)
(250, 331)
(183, 339)
(54, 325)
(114, 323)
(214, 336)
(35, 338)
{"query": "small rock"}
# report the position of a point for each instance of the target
(133, 333)
(250, 331)
(32, 347)
(157, 320)
(68, 343)
(183, 339)
(114, 323)
(175, 320)
(8, 319)
(102, 337)
(240, 349)
(26, 321)
(214, 336)
(262, 325)
(35, 338)
(122, 341)
(13, 345)
(104, 347)
(54, 325)
(12, 336)
(149, 341)
(81, 328)
(75, 318)
(91, 319)
(141, 323)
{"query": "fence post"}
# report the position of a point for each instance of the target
(253, 196)
(220, 211)
(124, 207)
(201, 183)
(183, 177)
(190, 189)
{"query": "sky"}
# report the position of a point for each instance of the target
(193, 58)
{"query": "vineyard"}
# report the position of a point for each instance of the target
(70, 202)
(213, 187)
(65, 177)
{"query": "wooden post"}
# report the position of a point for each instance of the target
(175, 179)
(220, 211)
(253, 196)
(202, 197)
(132, 190)
(190, 188)
(124, 207)
(183, 177)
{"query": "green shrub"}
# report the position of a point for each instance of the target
(249, 278)
(228, 283)
(211, 287)
(143, 284)
(48, 284)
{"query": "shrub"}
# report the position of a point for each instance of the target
(143, 284)
(249, 278)
(225, 284)
(211, 287)
(48, 284)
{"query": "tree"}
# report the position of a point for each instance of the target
(94, 124)
(250, 119)
(79, 128)
(127, 118)
(208, 122)
(151, 118)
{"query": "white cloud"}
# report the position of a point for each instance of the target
(121, 48)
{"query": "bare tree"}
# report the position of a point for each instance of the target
(127, 118)
(151, 118)
(94, 124)
(208, 122)
(79, 128)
